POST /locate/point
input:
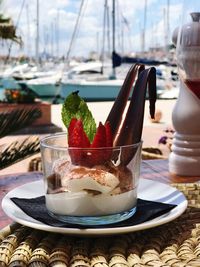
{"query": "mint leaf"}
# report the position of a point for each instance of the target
(75, 107)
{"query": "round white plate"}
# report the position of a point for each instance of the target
(148, 190)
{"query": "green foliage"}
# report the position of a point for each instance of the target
(17, 151)
(11, 122)
(17, 119)
(8, 30)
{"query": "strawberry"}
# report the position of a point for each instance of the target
(109, 141)
(76, 134)
(97, 155)
(70, 130)
(78, 138)
(109, 138)
(100, 137)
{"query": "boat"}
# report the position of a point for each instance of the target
(104, 89)
(145, 61)
(107, 87)
(94, 80)
(49, 85)
(170, 93)
(98, 87)
(6, 76)
(38, 79)
(46, 83)
(93, 90)
(44, 86)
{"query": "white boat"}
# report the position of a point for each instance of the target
(45, 86)
(7, 81)
(93, 90)
(13, 77)
(50, 85)
(170, 93)
(88, 80)
(101, 89)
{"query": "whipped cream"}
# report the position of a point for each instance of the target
(84, 204)
(81, 191)
(81, 178)
(78, 178)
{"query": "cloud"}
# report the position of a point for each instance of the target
(58, 18)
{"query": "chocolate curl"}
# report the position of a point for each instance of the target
(131, 130)
(116, 113)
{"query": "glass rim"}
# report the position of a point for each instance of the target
(57, 147)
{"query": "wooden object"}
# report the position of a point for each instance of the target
(175, 244)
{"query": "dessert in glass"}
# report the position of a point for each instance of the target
(89, 185)
(91, 173)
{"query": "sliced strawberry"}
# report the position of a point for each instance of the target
(70, 130)
(85, 140)
(100, 137)
(96, 155)
(72, 124)
(78, 139)
(77, 136)
(109, 141)
(75, 140)
(109, 138)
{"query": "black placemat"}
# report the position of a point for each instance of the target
(146, 210)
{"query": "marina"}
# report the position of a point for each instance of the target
(98, 77)
(85, 78)
(47, 73)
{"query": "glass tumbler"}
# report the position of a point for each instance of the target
(90, 186)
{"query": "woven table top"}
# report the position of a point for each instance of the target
(174, 244)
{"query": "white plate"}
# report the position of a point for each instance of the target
(149, 190)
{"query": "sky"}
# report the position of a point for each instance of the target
(57, 19)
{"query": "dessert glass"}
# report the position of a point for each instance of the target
(90, 195)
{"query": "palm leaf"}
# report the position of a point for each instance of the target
(8, 30)
(18, 151)
(17, 119)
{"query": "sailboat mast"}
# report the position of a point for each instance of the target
(28, 33)
(104, 29)
(108, 28)
(113, 35)
(144, 27)
(75, 31)
(168, 27)
(37, 34)
(57, 32)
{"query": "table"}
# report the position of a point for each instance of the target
(150, 169)
(174, 244)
